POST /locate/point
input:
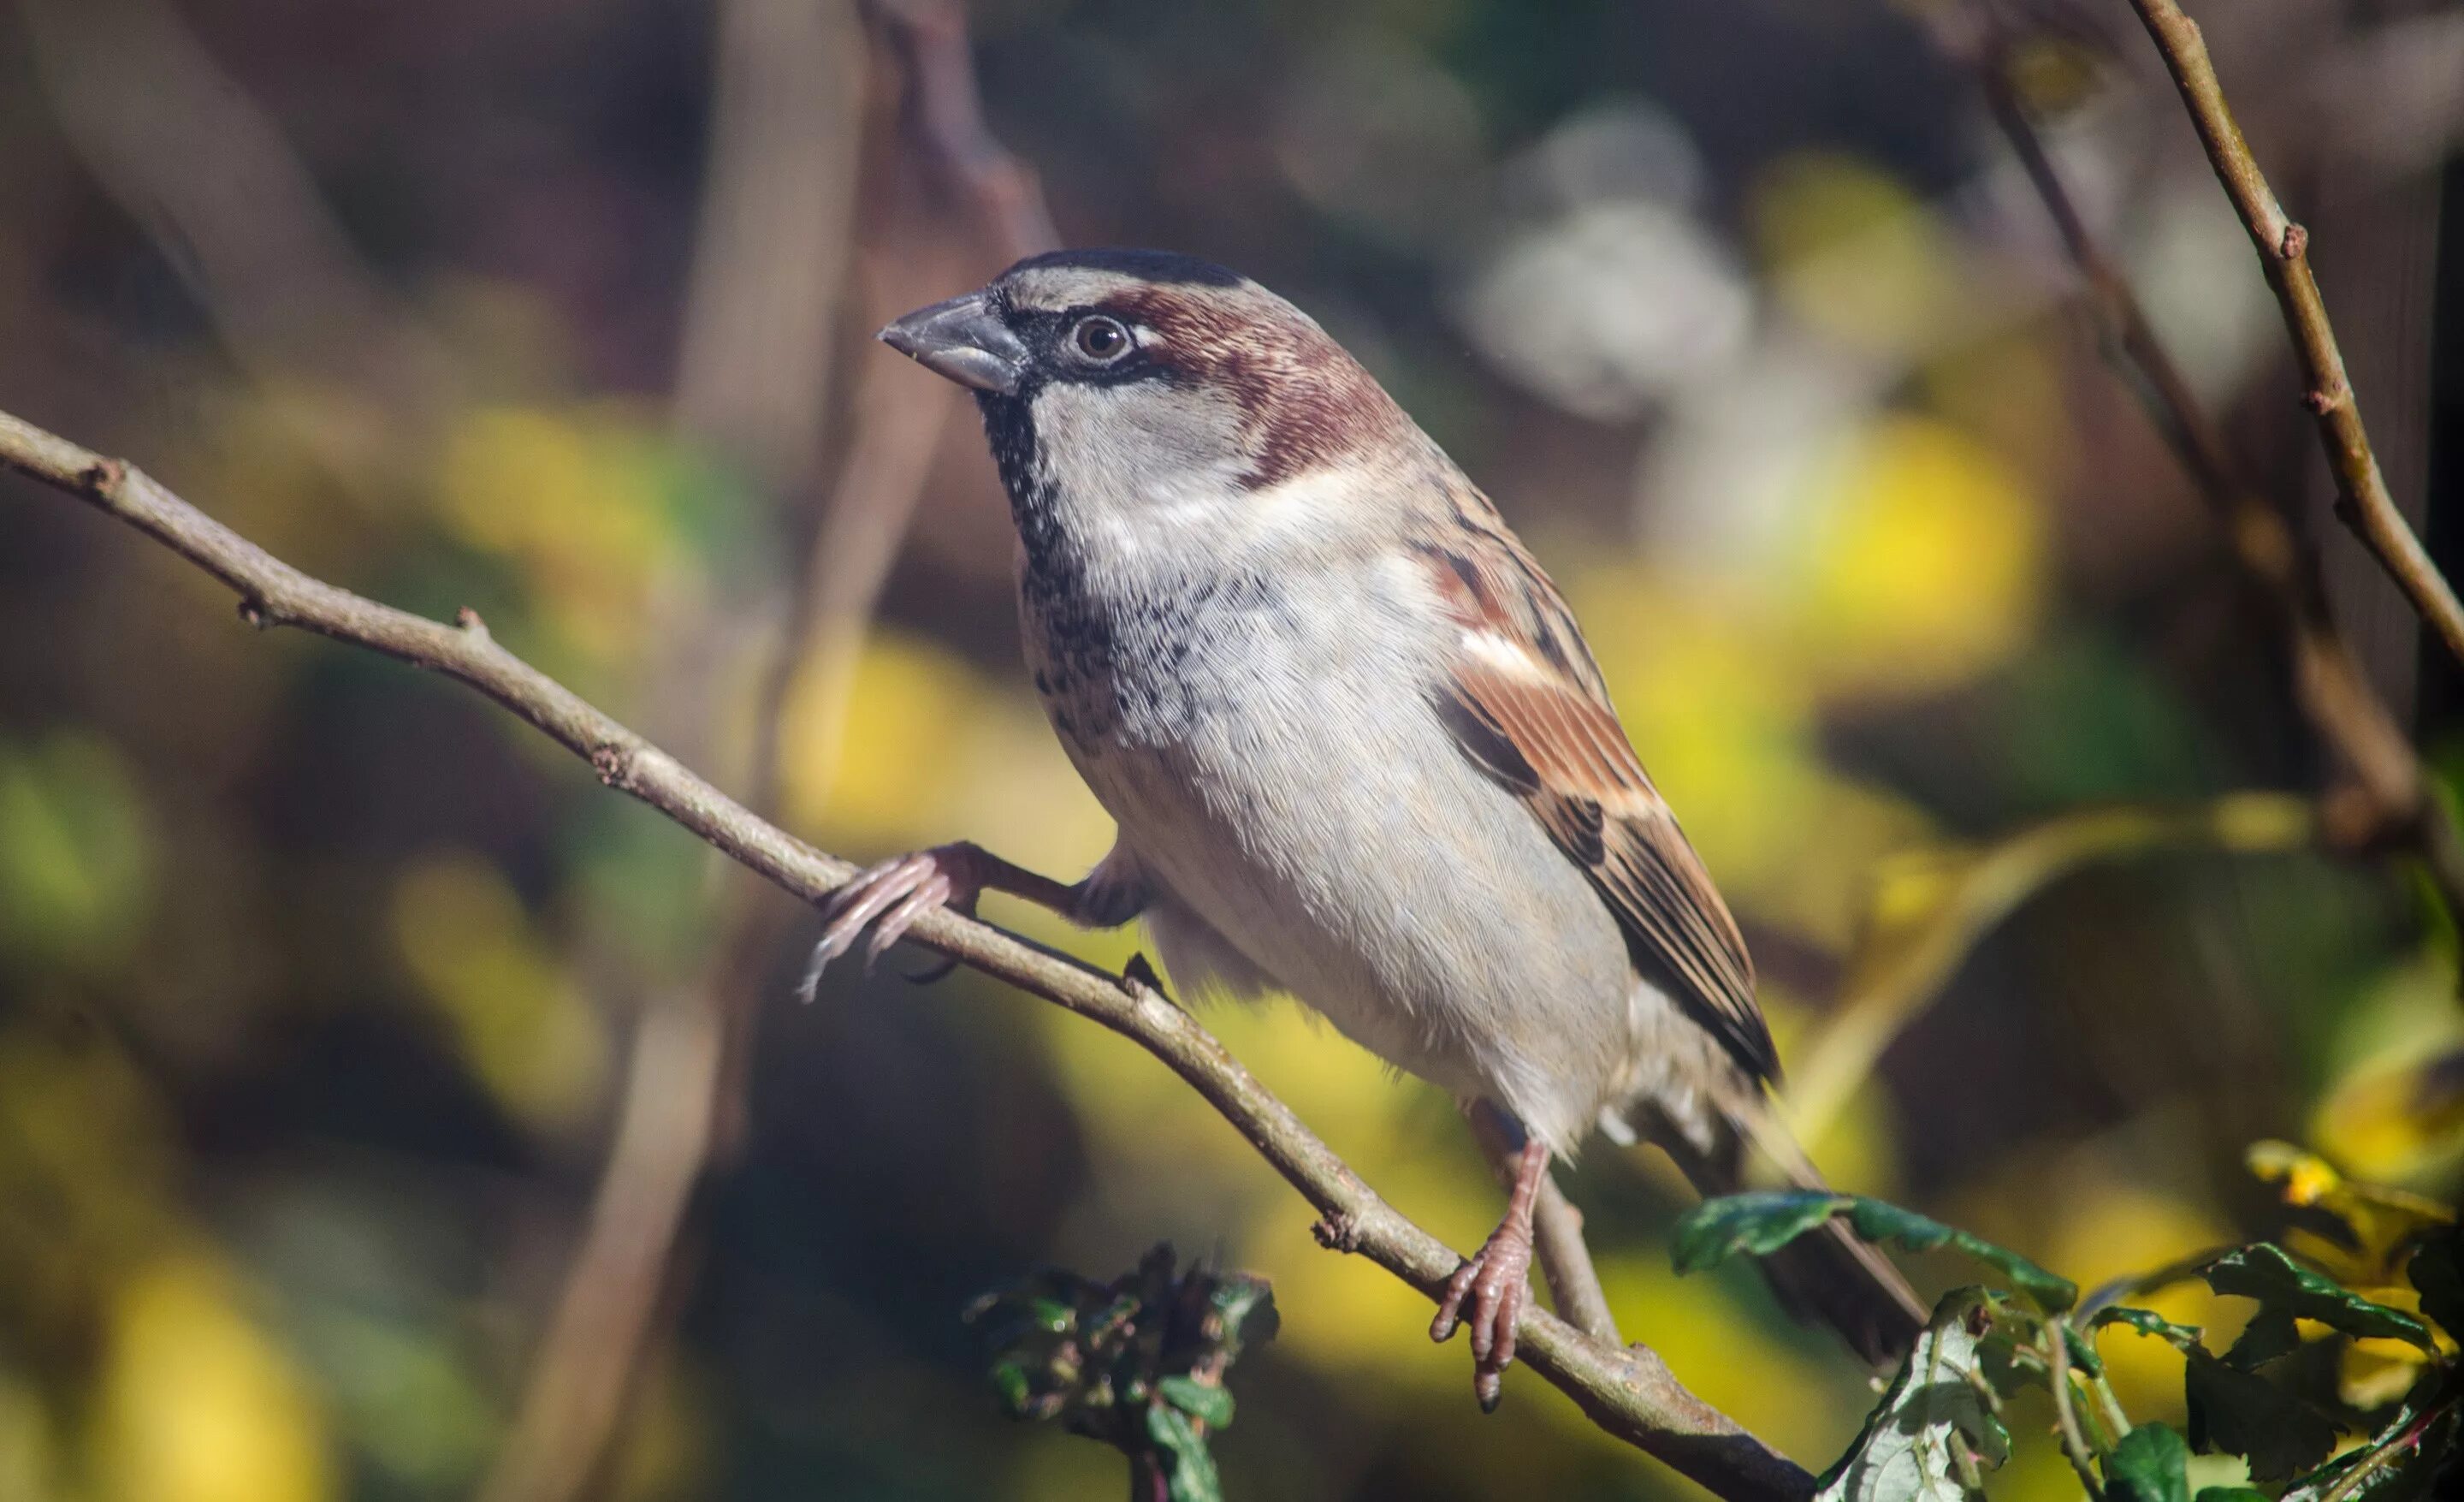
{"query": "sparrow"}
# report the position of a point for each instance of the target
(1355, 746)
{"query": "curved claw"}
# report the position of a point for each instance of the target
(887, 900)
(1496, 1285)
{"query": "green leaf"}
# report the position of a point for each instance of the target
(2242, 1412)
(2263, 1272)
(2083, 1351)
(1209, 1405)
(1758, 1225)
(2009, 1364)
(1050, 1315)
(1763, 1223)
(2151, 1465)
(1189, 1470)
(2146, 1323)
(1876, 1220)
(2269, 1334)
(1912, 1443)
(2228, 1493)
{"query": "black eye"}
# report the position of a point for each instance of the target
(1099, 340)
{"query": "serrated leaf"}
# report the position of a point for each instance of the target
(2242, 1412)
(1755, 1225)
(1209, 1405)
(1189, 1470)
(2151, 1465)
(2146, 1323)
(1911, 1449)
(2271, 1333)
(1762, 1222)
(2263, 1272)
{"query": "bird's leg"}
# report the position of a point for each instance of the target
(1496, 1282)
(889, 898)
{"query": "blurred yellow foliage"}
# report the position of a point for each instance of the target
(2394, 1111)
(574, 498)
(915, 700)
(1921, 564)
(2383, 1226)
(196, 1405)
(1853, 253)
(2106, 1228)
(516, 1015)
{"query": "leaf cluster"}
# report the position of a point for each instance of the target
(1940, 1425)
(1138, 1363)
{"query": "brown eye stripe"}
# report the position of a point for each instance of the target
(1307, 403)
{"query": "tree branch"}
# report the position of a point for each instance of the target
(2328, 681)
(1630, 1393)
(2284, 252)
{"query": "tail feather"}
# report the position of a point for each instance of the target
(1826, 1276)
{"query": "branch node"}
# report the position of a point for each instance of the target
(1338, 1231)
(2296, 242)
(104, 477)
(610, 763)
(2323, 400)
(1138, 975)
(469, 621)
(252, 609)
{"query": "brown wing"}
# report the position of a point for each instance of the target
(1528, 704)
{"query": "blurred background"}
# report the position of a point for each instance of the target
(388, 1110)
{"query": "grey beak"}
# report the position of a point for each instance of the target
(963, 338)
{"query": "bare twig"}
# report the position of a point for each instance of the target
(2058, 1364)
(1630, 1393)
(2331, 686)
(1557, 1231)
(2284, 252)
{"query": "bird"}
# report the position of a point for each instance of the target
(1355, 748)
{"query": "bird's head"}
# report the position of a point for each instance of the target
(1133, 388)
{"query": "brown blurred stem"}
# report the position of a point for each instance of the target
(771, 274)
(1629, 1392)
(2283, 253)
(1558, 1228)
(2328, 681)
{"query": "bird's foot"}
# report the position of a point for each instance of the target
(889, 898)
(1496, 1283)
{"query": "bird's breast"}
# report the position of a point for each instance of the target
(1269, 748)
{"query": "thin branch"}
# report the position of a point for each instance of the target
(1629, 1392)
(2328, 682)
(2284, 252)
(2056, 1352)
